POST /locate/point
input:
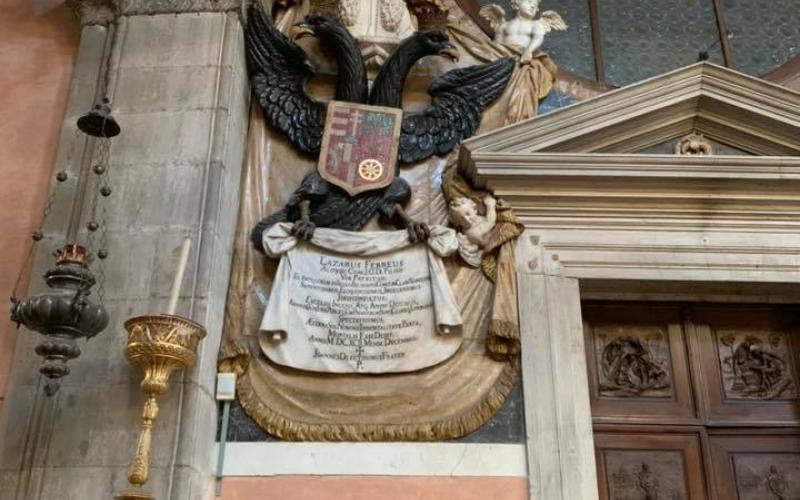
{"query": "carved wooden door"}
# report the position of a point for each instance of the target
(694, 402)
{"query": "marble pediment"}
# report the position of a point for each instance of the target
(606, 162)
(730, 108)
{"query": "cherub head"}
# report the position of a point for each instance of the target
(525, 8)
(462, 211)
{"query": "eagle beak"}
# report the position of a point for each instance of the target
(450, 52)
(301, 30)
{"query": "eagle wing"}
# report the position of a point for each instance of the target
(494, 14)
(458, 99)
(553, 21)
(278, 73)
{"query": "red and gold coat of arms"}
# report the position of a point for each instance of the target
(359, 146)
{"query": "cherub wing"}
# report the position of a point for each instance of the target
(494, 14)
(458, 99)
(278, 73)
(553, 21)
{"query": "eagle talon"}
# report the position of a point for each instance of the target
(304, 229)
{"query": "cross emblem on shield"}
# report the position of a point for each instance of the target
(359, 146)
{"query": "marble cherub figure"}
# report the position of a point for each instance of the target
(524, 32)
(475, 228)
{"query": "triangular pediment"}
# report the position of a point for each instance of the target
(748, 114)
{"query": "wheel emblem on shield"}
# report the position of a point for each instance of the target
(370, 169)
(359, 146)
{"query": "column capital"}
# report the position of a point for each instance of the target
(147, 7)
(95, 12)
(104, 12)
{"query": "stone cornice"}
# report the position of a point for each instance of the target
(104, 12)
(645, 192)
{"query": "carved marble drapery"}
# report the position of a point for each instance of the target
(448, 400)
(444, 401)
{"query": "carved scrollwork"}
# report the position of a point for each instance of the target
(391, 12)
(776, 483)
(349, 11)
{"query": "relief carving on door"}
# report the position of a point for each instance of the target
(755, 365)
(633, 362)
(645, 475)
(762, 476)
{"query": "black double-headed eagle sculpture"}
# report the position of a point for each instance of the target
(279, 72)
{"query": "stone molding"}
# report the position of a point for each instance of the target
(646, 192)
(759, 117)
(104, 12)
(374, 459)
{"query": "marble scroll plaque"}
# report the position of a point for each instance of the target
(360, 302)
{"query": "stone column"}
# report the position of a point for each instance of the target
(179, 90)
(558, 422)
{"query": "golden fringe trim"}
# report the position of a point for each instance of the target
(502, 340)
(449, 428)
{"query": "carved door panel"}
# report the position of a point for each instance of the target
(637, 362)
(756, 467)
(745, 365)
(644, 466)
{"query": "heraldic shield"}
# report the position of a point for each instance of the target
(359, 146)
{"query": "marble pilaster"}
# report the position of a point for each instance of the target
(555, 383)
(179, 91)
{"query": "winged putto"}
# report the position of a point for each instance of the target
(279, 72)
(524, 32)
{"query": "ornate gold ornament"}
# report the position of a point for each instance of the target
(370, 169)
(159, 345)
(431, 14)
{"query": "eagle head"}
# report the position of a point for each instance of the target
(315, 25)
(436, 43)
